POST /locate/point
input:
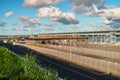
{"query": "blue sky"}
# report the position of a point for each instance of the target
(31, 17)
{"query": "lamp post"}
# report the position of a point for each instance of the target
(70, 47)
(32, 35)
(115, 67)
(75, 42)
(75, 45)
(28, 27)
(108, 66)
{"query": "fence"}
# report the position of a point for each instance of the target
(89, 62)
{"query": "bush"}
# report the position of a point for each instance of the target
(13, 67)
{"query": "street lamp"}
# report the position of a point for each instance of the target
(115, 67)
(108, 66)
(70, 47)
(32, 35)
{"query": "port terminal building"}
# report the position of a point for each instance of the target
(88, 37)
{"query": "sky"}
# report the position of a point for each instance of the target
(25, 17)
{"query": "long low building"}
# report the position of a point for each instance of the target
(54, 39)
(111, 36)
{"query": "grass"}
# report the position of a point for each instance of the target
(13, 67)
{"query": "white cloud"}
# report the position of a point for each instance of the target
(23, 18)
(18, 29)
(66, 18)
(14, 24)
(104, 27)
(84, 6)
(48, 29)
(40, 3)
(100, 26)
(50, 24)
(8, 14)
(48, 12)
(28, 22)
(77, 26)
(56, 15)
(106, 21)
(110, 15)
(86, 2)
(2, 23)
(92, 24)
